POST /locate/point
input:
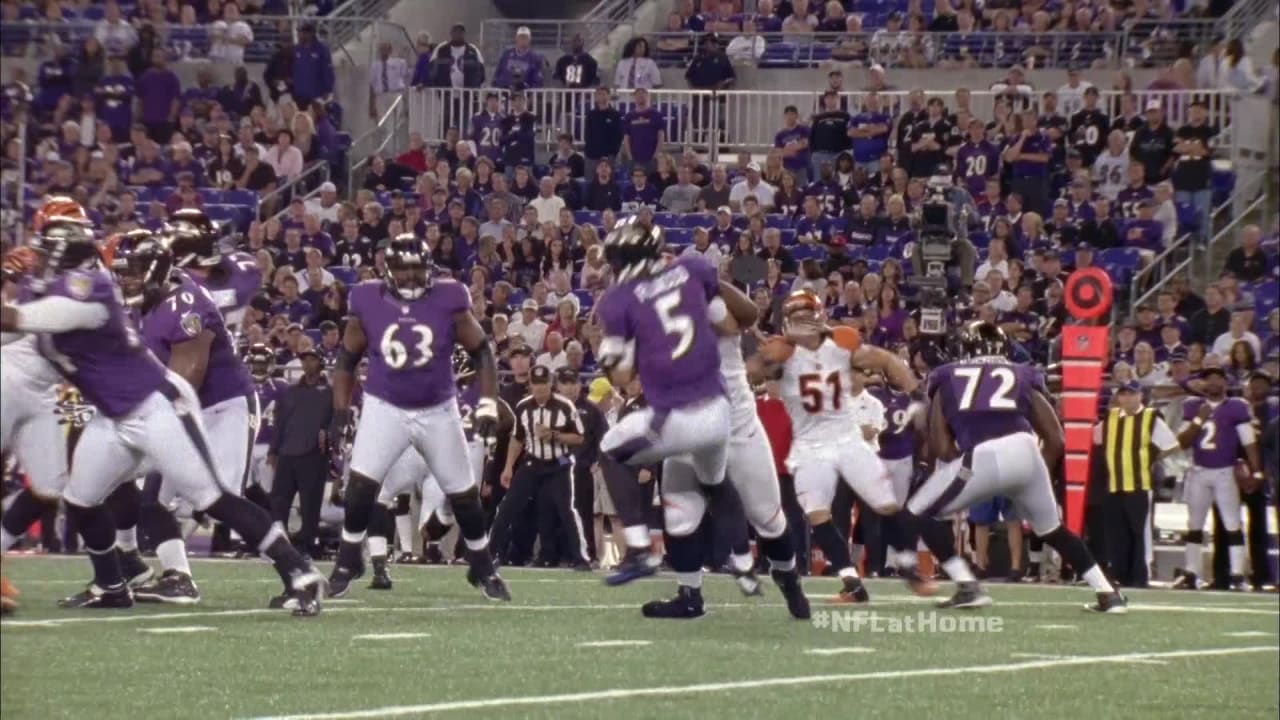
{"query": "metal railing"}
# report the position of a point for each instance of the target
(389, 135)
(1245, 15)
(1234, 214)
(606, 16)
(978, 49)
(309, 179)
(729, 120)
(1175, 259)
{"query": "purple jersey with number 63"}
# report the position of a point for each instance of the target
(898, 439)
(665, 316)
(410, 343)
(1217, 445)
(984, 399)
(181, 316)
(108, 364)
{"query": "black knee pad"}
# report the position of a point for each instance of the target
(402, 505)
(360, 491)
(158, 524)
(1235, 537)
(1194, 536)
(123, 503)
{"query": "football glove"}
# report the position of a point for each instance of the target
(338, 425)
(485, 418)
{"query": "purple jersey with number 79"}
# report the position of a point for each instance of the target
(665, 317)
(985, 399)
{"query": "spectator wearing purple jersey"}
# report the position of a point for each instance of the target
(813, 228)
(793, 139)
(159, 90)
(519, 66)
(1145, 232)
(1029, 151)
(870, 130)
(291, 304)
(643, 131)
(977, 160)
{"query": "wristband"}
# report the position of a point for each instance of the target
(1259, 475)
(1198, 422)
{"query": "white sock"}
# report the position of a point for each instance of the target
(690, 579)
(905, 560)
(637, 536)
(1097, 580)
(1193, 562)
(477, 545)
(741, 563)
(353, 538)
(787, 565)
(173, 556)
(1034, 556)
(850, 571)
(957, 569)
(1236, 555)
(404, 532)
(127, 540)
(6, 540)
(377, 546)
(890, 556)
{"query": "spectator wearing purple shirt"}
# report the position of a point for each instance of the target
(643, 131)
(977, 160)
(813, 228)
(519, 66)
(1030, 151)
(113, 97)
(314, 237)
(291, 304)
(793, 138)
(1145, 232)
(159, 91)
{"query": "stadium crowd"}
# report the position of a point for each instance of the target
(1054, 181)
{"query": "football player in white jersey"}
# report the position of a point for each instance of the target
(815, 364)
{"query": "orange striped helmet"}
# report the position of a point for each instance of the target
(803, 299)
(58, 206)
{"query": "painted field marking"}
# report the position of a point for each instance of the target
(768, 682)
(178, 630)
(1249, 634)
(613, 643)
(1055, 627)
(839, 651)
(391, 636)
(1043, 656)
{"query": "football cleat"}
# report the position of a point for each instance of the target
(788, 582)
(1186, 581)
(96, 597)
(308, 589)
(1238, 584)
(686, 605)
(341, 578)
(381, 578)
(921, 586)
(1112, 603)
(133, 568)
(968, 595)
(636, 564)
(8, 596)
(853, 591)
(173, 587)
(747, 582)
(406, 558)
(284, 601)
(491, 585)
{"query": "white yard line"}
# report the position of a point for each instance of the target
(1056, 627)
(839, 651)
(613, 643)
(178, 630)
(507, 607)
(1249, 634)
(757, 684)
(1126, 661)
(392, 636)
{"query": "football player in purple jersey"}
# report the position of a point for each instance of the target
(409, 324)
(1218, 430)
(152, 420)
(987, 418)
(663, 325)
(232, 278)
(261, 360)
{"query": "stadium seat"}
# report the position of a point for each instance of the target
(808, 252)
(679, 236)
(696, 220)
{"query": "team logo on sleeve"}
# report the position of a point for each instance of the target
(191, 324)
(79, 286)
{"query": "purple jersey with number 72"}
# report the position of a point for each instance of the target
(984, 399)
(232, 283)
(665, 317)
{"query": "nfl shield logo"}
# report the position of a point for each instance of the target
(191, 324)
(1082, 342)
(79, 286)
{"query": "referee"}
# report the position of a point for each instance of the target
(547, 431)
(1131, 439)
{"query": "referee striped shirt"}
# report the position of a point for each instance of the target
(557, 413)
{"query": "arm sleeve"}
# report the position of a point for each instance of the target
(572, 420)
(519, 426)
(60, 314)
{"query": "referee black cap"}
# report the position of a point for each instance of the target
(540, 375)
(567, 375)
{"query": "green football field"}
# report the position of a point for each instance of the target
(569, 647)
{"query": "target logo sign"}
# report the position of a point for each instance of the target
(1088, 294)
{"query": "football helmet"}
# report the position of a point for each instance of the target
(63, 243)
(409, 266)
(981, 339)
(262, 362)
(58, 206)
(632, 249)
(803, 312)
(193, 238)
(141, 265)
